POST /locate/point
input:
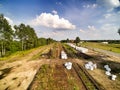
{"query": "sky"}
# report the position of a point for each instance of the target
(62, 19)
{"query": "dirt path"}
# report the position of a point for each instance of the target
(99, 74)
(107, 52)
(20, 76)
(54, 76)
(18, 73)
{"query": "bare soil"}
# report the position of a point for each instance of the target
(56, 77)
(99, 74)
(18, 73)
(21, 73)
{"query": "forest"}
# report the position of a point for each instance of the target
(21, 37)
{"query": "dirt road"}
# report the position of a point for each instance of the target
(18, 74)
(106, 52)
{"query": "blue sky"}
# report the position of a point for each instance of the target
(62, 19)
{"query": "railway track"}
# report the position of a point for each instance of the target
(87, 80)
(72, 53)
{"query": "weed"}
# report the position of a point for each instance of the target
(110, 47)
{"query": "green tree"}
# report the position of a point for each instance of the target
(6, 34)
(42, 41)
(50, 40)
(27, 36)
(21, 34)
(32, 39)
(68, 40)
(77, 40)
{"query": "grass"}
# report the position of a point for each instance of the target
(55, 51)
(19, 54)
(71, 52)
(54, 77)
(109, 47)
(44, 50)
(87, 81)
(72, 82)
(43, 77)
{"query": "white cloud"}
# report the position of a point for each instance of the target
(89, 33)
(109, 27)
(94, 5)
(109, 31)
(54, 12)
(59, 3)
(55, 35)
(81, 30)
(52, 21)
(86, 6)
(109, 3)
(106, 31)
(110, 18)
(9, 20)
(90, 6)
(91, 28)
(107, 15)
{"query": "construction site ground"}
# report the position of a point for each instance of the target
(42, 69)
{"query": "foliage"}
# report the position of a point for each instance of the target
(71, 52)
(68, 40)
(6, 34)
(42, 41)
(22, 38)
(77, 40)
(27, 36)
(110, 47)
(50, 40)
(99, 41)
(63, 41)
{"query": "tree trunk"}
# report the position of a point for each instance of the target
(25, 46)
(2, 49)
(0, 54)
(22, 45)
(3, 52)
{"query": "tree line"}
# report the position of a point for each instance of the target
(76, 40)
(23, 37)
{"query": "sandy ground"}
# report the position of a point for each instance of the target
(99, 73)
(18, 74)
(21, 73)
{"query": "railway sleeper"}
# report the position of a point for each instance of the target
(87, 80)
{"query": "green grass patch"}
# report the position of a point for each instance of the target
(88, 83)
(71, 82)
(44, 50)
(43, 77)
(19, 54)
(109, 47)
(54, 51)
(71, 52)
(53, 77)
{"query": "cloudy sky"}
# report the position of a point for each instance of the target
(61, 19)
